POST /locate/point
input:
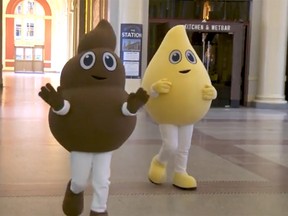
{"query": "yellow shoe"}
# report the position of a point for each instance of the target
(184, 181)
(157, 172)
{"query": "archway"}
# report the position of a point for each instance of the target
(14, 28)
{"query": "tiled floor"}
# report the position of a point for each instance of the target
(239, 156)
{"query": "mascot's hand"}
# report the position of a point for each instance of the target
(162, 86)
(209, 92)
(137, 100)
(52, 97)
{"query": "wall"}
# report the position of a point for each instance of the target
(60, 38)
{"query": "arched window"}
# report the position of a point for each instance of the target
(29, 23)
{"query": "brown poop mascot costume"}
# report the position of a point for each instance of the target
(91, 115)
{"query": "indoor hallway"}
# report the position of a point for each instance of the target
(239, 157)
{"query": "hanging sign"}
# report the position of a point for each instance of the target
(130, 49)
(208, 27)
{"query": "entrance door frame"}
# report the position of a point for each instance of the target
(286, 82)
(238, 30)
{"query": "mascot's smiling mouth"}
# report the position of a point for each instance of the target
(98, 78)
(184, 71)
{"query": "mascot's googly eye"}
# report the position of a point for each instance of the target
(191, 57)
(175, 57)
(87, 61)
(109, 61)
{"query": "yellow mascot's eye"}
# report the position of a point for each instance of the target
(191, 57)
(175, 57)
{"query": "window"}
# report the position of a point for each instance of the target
(30, 30)
(18, 30)
(19, 9)
(230, 10)
(30, 7)
(29, 23)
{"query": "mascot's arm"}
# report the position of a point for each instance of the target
(54, 99)
(209, 92)
(134, 102)
(162, 86)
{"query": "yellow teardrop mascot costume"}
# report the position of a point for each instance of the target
(180, 94)
(91, 115)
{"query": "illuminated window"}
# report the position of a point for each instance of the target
(18, 30)
(29, 22)
(30, 30)
(19, 9)
(30, 7)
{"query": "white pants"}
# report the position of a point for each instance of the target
(176, 141)
(97, 166)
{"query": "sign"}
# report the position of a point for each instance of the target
(209, 27)
(130, 49)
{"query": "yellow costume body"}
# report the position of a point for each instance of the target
(181, 94)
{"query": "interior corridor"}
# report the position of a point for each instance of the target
(239, 157)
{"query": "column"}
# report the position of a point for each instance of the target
(1, 66)
(272, 59)
(132, 12)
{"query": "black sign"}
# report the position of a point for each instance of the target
(209, 27)
(131, 48)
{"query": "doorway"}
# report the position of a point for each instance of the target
(216, 52)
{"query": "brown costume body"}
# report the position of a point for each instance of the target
(93, 82)
(95, 122)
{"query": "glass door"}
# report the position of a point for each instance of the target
(216, 52)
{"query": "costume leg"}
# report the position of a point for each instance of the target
(169, 135)
(100, 181)
(184, 144)
(157, 171)
(81, 165)
(80, 170)
(181, 179)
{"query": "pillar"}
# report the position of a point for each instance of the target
(272, 59)
(1, 66)
(130, 12)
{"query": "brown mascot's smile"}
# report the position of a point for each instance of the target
(99, 78)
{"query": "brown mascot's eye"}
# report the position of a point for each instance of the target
(109, 61)
(87, 61)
